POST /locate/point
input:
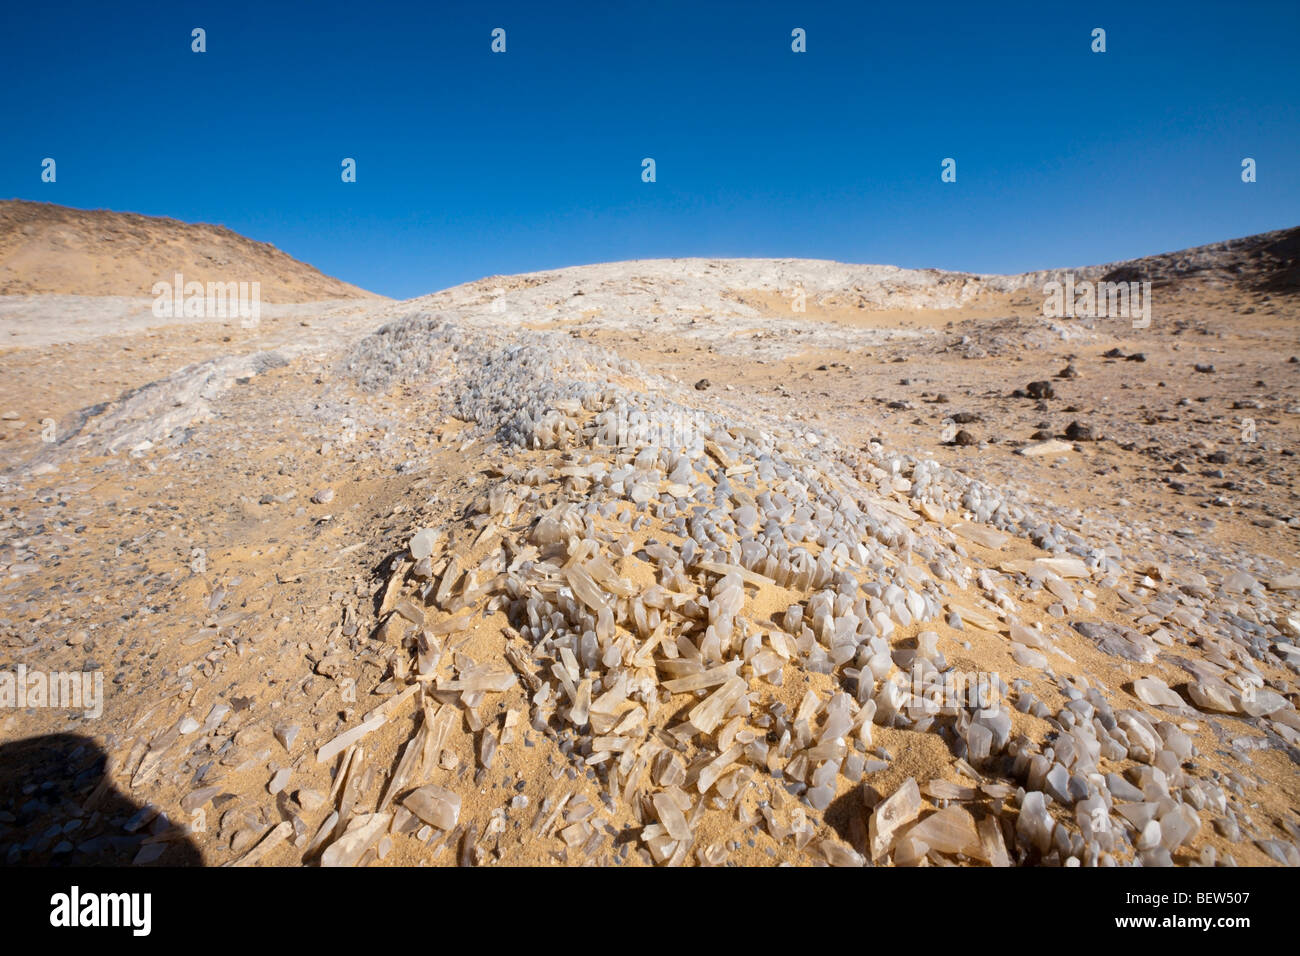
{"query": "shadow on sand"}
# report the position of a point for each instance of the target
(58, 808)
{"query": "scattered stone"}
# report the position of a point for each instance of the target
(1050, 447)
(1077, 431)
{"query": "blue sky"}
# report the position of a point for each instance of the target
(472, 163)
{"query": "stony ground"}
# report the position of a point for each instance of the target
(650, 568)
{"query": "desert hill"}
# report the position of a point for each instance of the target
(45, 248)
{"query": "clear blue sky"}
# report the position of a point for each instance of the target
(472, 163)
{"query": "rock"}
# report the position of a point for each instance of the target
(1068, 372)
(1042, 389)
(1204, 367)
(702, 385)
(1077, 431)
(323, 497)
(310, 799)
(1239, 581)
(965, 438)
(243, 839)
(286, 734)
(198, 798)
(1136, 357)
(1052, 447)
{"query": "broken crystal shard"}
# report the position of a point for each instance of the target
(951, 830)
(706, 715)
(1154, 691)
(279, 781)
(277, 835)
(406, 765)
(197, 798)
(375, 719)
(1035, 824)
(411, 611)
(1214, 695)
(448, 581)
(1028, 657)
(286, 734)
(435, 805)
(482, 678)
(982, 535)
(362, 833)
(947, 790)
(671, 805)
(584, 588)
(423, 542)
(993, 848)
(310, 799)
(901, 808)
(716, 768)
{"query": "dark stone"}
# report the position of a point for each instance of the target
(1077, 431)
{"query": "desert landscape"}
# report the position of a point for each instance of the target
(664, 562)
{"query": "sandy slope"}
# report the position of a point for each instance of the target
(98, 565)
